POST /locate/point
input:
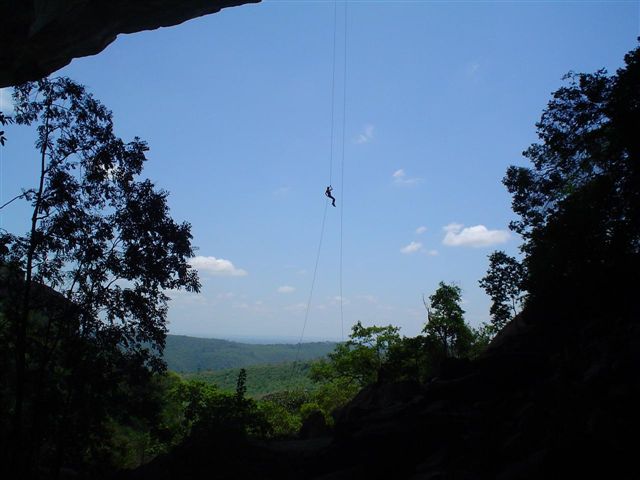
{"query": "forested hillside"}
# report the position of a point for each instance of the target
(191, 354)
(261, 379)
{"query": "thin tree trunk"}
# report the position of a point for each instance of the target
(21, 448)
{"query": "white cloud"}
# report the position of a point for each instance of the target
(216, 266)
(413, 247)
(421, 230)
(366, 136)
(456, 235)
(400, 178)
(432, 253)
(286, 289)
(6, 102)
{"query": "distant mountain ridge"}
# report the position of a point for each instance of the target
(192, 354)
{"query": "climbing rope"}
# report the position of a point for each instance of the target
(333, 89)
(331, 153)
(313, 284)
(344, 123)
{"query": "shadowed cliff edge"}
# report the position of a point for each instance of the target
(534, 406)
(38, 38)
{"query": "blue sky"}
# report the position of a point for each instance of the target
(440, 99)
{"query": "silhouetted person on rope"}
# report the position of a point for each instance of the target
(327, 192)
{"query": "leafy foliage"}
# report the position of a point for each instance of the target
(446, 331)
(379, 354)
(208, 411)
(84, 302)
(360, 359)
(4, 120)
(283, 421)
(333, 395)
(504, 283)
(410, 359)
(284, 410)
(579, 202)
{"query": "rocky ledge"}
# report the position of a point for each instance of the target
(40, 36)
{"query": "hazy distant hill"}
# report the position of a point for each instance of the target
(192, 354)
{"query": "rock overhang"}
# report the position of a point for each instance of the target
(39, 37)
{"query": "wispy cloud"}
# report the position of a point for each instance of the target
(473, 68)
(281, 191)
(337, 300)
(296, 307)
(421, 230)
(413, 247)
(257, 306)
(189, 298)
(432, 253)
(366, 135)
(368, 298)
(400, 178)
(457, 235)
(286, 289)
(216, 266)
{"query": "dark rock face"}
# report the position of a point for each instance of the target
(546, 401)
(314, 426)
(40, 36)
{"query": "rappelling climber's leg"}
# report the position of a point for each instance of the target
(327, 192)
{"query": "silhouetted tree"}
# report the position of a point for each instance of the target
(445, 328)
(85, 303)
(579, 202)
(409, 359)
(504, 283)
(241, 385)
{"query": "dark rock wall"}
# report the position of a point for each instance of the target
(39, 37)
(545, 402)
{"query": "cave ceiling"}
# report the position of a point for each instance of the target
(38, 37)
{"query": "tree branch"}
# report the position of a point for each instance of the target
(23, 194)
